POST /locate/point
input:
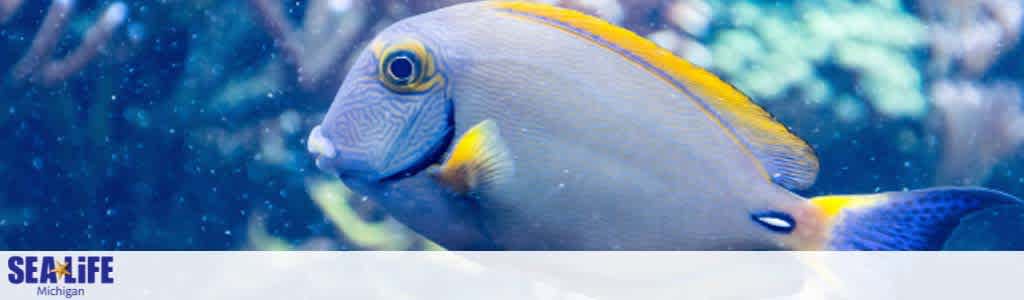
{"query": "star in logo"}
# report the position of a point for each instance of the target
(61, 270)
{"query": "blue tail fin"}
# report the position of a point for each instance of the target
(913, 220)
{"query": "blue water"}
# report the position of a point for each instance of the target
(189, 128)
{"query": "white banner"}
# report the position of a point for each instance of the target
(512, 275)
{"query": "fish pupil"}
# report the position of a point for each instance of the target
(401, 68)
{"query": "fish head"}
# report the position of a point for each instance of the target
(392, 119)
(392, 116)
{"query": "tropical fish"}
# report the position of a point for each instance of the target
(523, 126)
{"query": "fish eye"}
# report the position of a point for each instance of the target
(401, 69)
(407, 67)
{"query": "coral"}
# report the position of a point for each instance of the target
(328, 36)
(38, 66)
(7, 8)
(968, 36)
(982, 125)
(774, 52)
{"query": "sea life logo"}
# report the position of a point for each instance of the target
(66, 276)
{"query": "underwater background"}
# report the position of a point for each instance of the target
(176, 124)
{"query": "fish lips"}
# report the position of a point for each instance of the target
(344, 164)
(330, 159)
(322, 150)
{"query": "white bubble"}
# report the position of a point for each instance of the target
(339, 5)
(115, 14)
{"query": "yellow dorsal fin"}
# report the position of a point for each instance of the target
(783, 158)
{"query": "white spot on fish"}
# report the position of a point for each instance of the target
(775, 222)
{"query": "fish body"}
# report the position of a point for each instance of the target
(509, 125)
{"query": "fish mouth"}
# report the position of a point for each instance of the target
(326, 157)
(321, 149)
(367, 167)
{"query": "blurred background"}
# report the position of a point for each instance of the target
(177, 124)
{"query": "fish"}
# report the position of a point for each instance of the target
(505, 125)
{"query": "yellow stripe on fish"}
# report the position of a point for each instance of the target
(782, 157)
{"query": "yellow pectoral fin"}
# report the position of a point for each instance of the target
(480, 159)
